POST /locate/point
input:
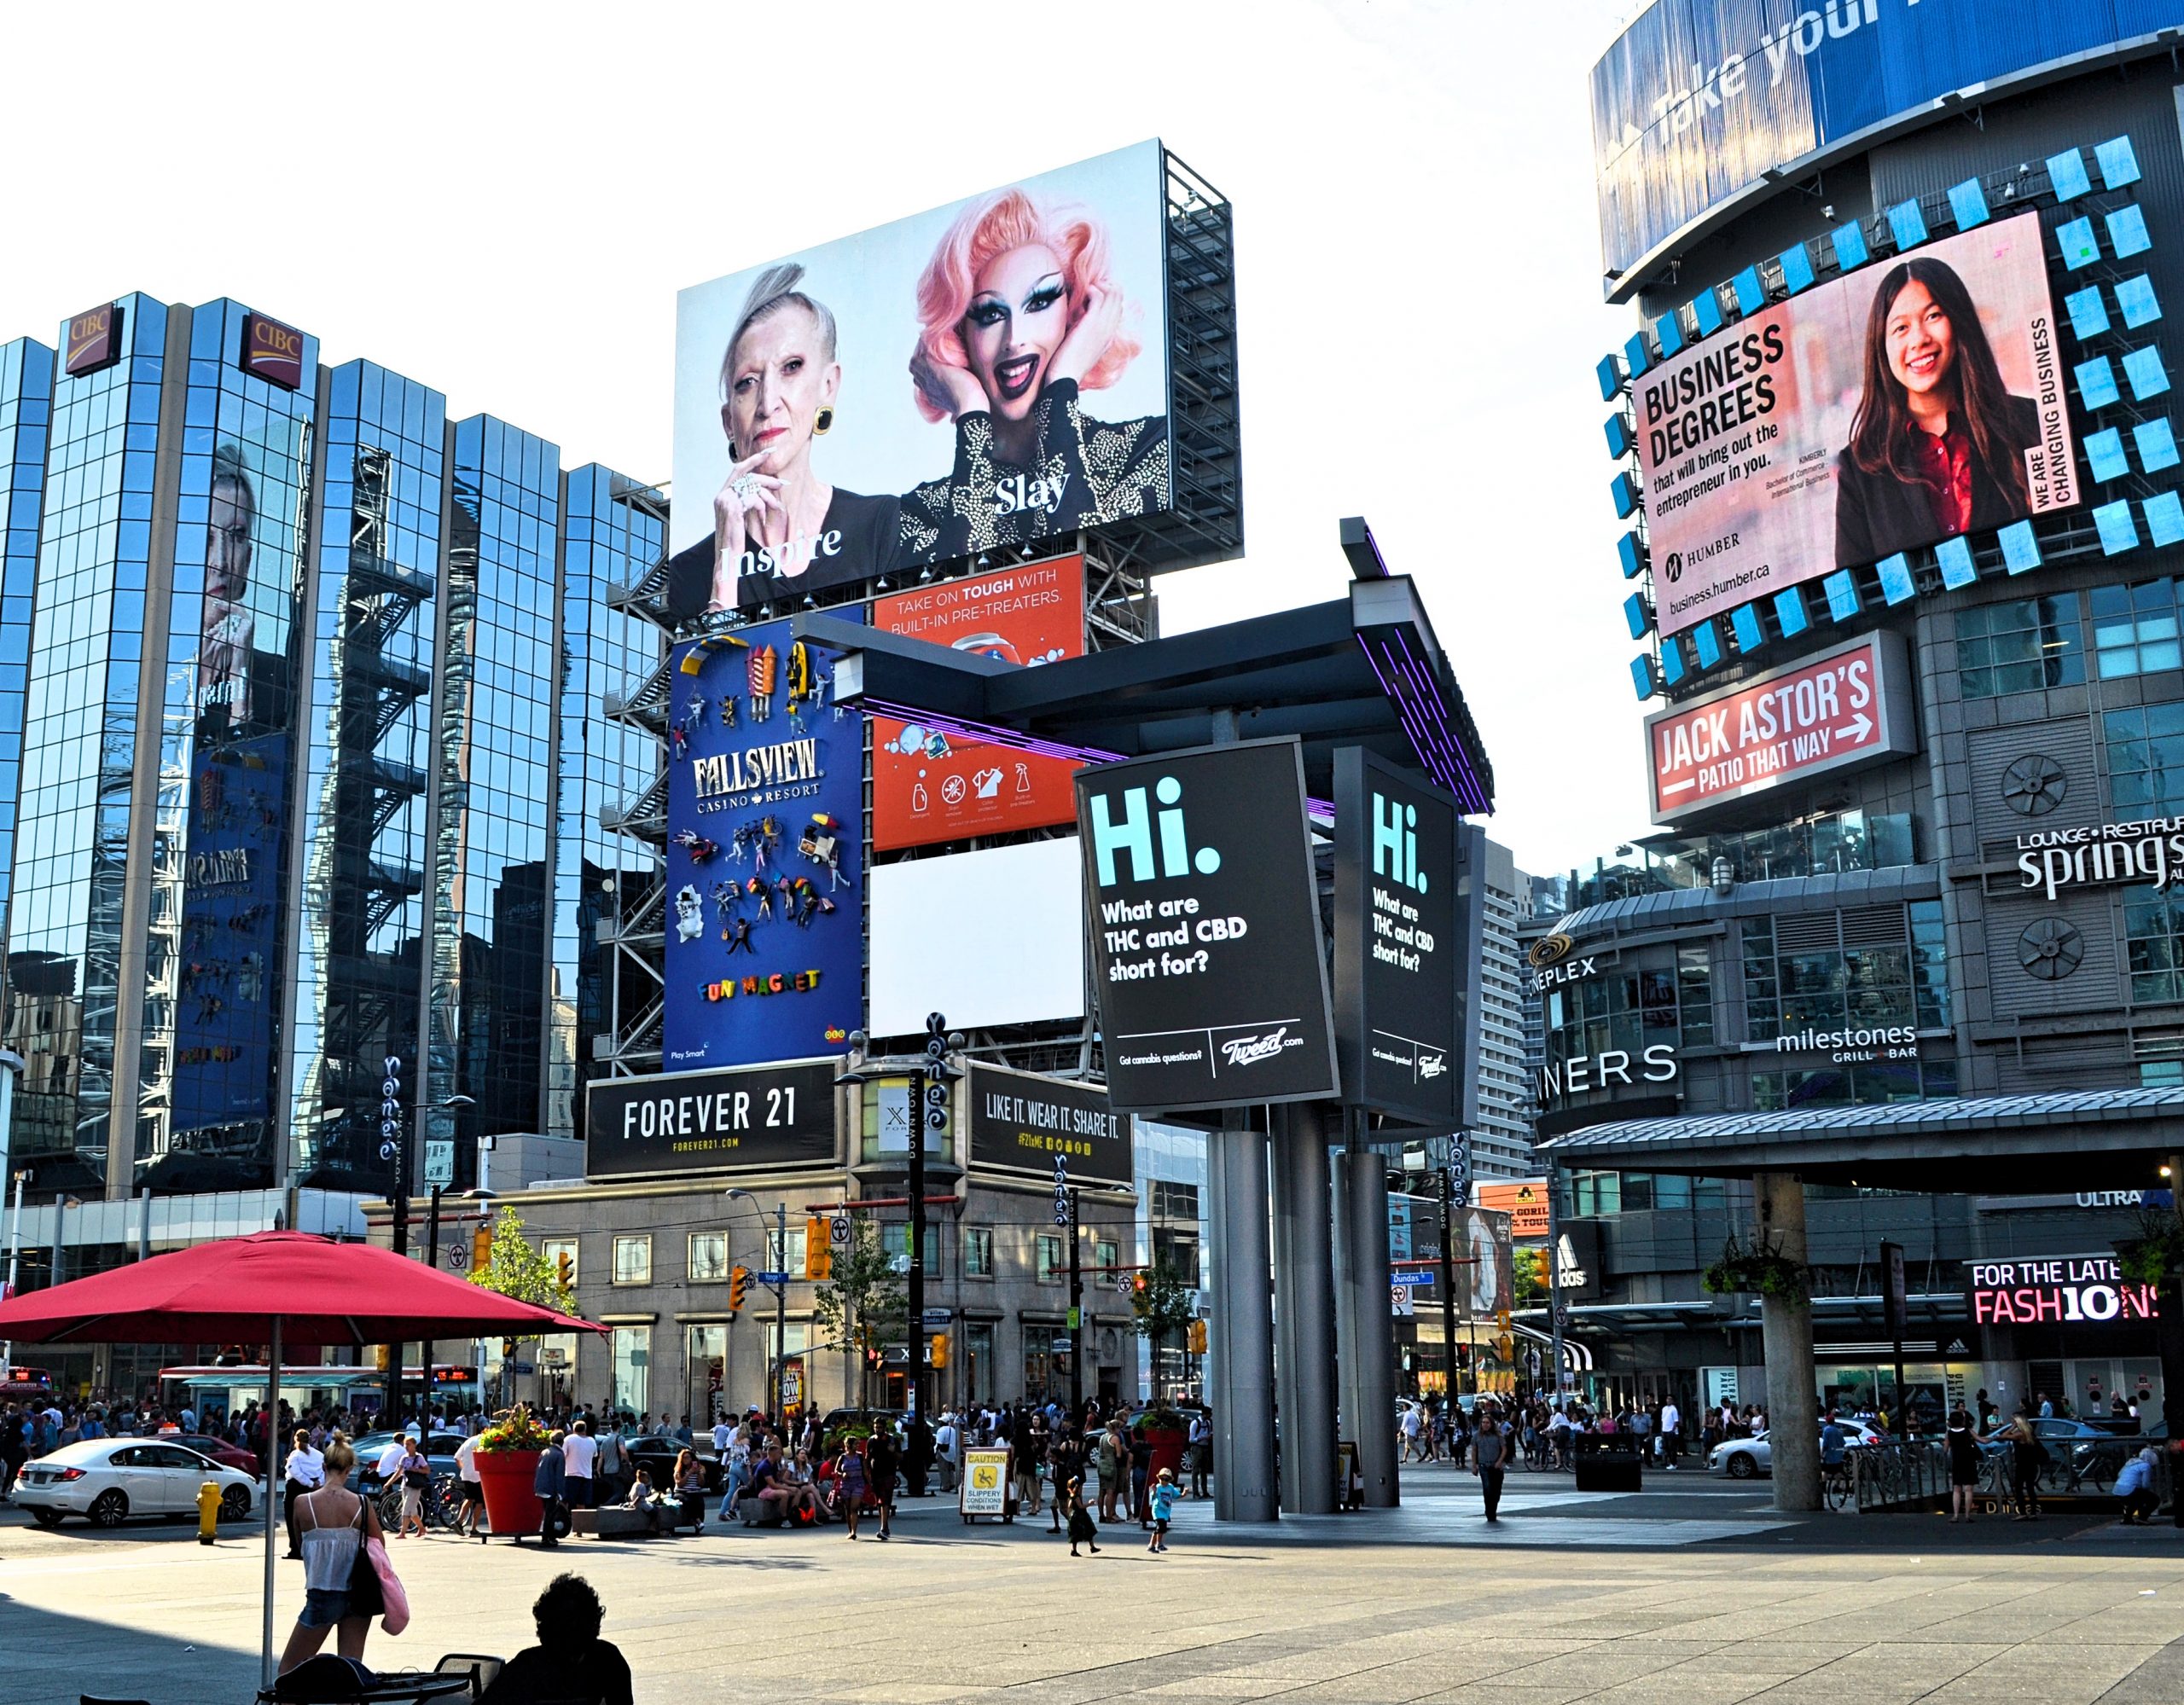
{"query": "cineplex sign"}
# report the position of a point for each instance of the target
(1850, 705)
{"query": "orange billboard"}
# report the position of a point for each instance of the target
(1524, 1201)
(930, 787)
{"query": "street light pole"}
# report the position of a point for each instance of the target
(781, 1291)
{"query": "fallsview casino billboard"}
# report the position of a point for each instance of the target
(1850, 705)
(979, 377)
(1784, 447)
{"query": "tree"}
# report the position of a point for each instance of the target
(514, 1269)
(865, 1301)
(1532, 1278)
(1163, 1303)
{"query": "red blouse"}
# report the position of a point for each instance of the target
(1944, 463)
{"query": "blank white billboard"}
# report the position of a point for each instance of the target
(989, 937)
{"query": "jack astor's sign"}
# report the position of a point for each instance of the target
(2152, 852)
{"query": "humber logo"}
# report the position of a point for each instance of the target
(1672, 566)
(1548, 950)
(1135, 835)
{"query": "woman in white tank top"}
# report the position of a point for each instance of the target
(332, 1524)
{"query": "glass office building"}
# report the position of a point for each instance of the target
(300, 765)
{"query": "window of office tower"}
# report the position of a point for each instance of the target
(2020, 646)
(2146, 759)
(491, 886)
(614, 531)
(80, 722)
(1873, 966)
(215, 944)
(364, 763)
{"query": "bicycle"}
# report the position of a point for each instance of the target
(1837, 1485)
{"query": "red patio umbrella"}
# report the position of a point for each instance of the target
(269, 1288)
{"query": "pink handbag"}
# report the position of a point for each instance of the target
(390, 1588)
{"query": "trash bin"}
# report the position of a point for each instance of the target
(1608, 1462)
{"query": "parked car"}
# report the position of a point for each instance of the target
(440, 1449)
(230, 1456)
(107, 1481)
(1750, 1459)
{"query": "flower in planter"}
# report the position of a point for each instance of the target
(513, 1430)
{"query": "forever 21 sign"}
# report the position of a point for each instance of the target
(757, 1116)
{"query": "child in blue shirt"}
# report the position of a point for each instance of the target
(1164, 1506)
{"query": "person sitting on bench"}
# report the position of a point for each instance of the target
(643, 1499)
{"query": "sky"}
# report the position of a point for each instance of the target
(502, 200)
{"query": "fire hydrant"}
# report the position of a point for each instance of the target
(208, 1512)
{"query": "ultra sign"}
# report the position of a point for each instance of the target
(1850, 705)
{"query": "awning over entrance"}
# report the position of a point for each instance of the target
(1996, 1145)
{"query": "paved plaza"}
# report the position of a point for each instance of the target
(1693, 1593)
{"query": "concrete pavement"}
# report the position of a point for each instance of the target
(1692, 1593)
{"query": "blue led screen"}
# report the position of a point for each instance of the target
(765, 878)
(1698, 98)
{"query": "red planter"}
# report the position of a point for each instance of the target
(511, 1504)
(1167, 1450)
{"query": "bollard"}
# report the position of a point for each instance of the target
(208, 1512)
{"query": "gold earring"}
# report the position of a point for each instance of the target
(823, 422)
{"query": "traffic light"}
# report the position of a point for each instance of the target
(1137, 1286)
(1198, 1338)
(1463, 1355)
(481, 1248)
(818, 1252)
(508, 1349)
(379, 1357)
(564, 1270)
(739, 1281)
(936, 1354)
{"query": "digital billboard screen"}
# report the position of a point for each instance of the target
(981, 376)
(1892, 408)
(928, 787)
(1021, 1122)
(768, 1115)
(1204, 915)
(1398, 1008)
(1699, 99)
(765, 883)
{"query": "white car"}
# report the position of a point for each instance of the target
(1749, 1459)
(107, 1481)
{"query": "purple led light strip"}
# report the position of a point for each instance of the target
(1471, 789)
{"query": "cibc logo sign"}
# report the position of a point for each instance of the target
(273, 351)
(93, 341)
(1204, 940)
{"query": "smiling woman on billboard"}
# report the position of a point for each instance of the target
(773, 515)
(1938, 446)
(1019, 315)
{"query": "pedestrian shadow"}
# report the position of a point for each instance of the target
(75, 1655)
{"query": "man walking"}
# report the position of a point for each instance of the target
(579, 1454)
(1672, 1434)
(551, 1483)
(1490, 1451)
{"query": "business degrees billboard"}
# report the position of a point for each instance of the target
(1205, 921)
(1699, 100)
(1794, 443)
(928, 787)
(766, 925)
(1398, 1010)
(981, 376)
(1850, 705)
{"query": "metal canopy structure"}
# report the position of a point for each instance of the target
(1998, 1144)
(1365, 669)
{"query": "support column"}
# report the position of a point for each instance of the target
(1792, 1404)
(1375, 1346)
(1242, 1329)
(1303, 1309)
(1349, 1406)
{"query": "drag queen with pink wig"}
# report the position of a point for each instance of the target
(1020, 315)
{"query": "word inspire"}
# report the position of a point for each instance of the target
(792, 555)
(1179, 935)
(2150, 851)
